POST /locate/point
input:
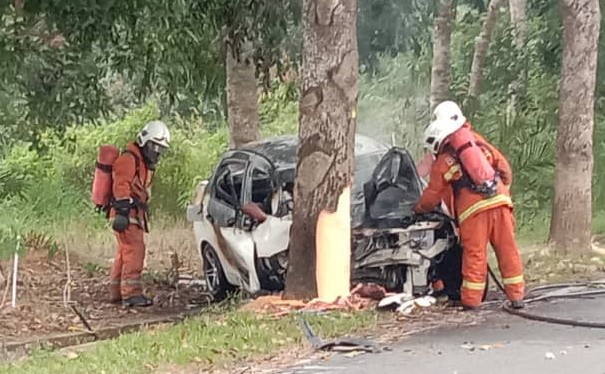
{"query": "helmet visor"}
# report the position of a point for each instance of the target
(157, 148)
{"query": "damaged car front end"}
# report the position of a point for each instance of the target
(242, 219)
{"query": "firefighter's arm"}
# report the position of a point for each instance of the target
(124, 170)
(432, 195)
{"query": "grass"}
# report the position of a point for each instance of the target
(214, 339)
(542, 265)
(537, 232)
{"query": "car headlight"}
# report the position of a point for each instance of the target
(421, 239)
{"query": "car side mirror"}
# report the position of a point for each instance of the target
(194, 213)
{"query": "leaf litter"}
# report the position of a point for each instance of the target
(41, 311)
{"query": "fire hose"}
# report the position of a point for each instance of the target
(538, 317)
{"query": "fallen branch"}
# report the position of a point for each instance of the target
(84, 321)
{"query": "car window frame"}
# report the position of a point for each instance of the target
(218, 202)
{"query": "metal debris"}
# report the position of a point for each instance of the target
(338, 345)
(550, 356)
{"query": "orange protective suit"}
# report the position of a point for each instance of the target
(481, 221)
(424, 169)
(130, 256)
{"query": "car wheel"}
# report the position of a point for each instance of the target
(214, 275)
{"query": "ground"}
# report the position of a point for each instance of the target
(41, 311)
(41, 291)
(501, 344)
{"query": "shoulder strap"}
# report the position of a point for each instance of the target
(137, 161)
(447, 148)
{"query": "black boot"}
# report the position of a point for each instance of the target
(517, 304)
(141, 301)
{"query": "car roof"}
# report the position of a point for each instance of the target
(282, 150)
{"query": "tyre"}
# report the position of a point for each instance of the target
(214, 275)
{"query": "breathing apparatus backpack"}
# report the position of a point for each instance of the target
(102, 184)
(477, 172)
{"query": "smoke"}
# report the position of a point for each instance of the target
(393, 103)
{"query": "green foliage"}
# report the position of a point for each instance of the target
(279, 110)
(61, 60)
(392, 27)
(394, 101)
(46, 189)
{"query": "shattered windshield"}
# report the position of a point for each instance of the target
(398, 200)
(400, 186)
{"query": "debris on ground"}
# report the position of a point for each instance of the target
(41, 311)
(339, 345)
(550, 356)
(483, 347)
(362, 296)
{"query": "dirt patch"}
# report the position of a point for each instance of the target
(41, 292)
(165, 237)
(546, 266)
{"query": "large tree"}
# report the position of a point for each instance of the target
(242, 97)
(518, 18)
(440, 71)
(481, 48)
(570, 229)
(325, 155)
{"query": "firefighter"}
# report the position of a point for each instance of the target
(481, 219)
(424, 169)
(132, 176)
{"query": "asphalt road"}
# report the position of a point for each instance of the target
(503, 344)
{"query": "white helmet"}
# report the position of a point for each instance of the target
(436, 132)
(155, 132)
(449, 111)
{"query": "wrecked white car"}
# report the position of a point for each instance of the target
(242, 216)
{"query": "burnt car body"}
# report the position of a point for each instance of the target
(242, 217)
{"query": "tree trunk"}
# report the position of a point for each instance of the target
(327, 135)
(440, 71)
(242, 97)
(570, 229)
(481, 48)
(518, 18)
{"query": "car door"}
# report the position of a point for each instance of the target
(395, 187)
(227, 195)
(224, 205)
(272, 235)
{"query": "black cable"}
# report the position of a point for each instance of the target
(560, 321)
(537, 317)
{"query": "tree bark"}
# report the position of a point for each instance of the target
(481, 48)
(440, 71)
(518, 18)
(326, 133)
(242, 97)
(571, 221)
